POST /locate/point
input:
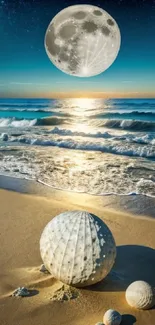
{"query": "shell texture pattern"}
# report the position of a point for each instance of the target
(140, 295)
(112, 317)
(77, 248)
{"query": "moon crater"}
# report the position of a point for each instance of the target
(105, 30)
(82, 40)
(89, 26)
(52, 47)
(67, 31)
(80, 15)
(110, 22)
(97, 13)
(63, 56)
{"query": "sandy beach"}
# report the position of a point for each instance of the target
(22, 219)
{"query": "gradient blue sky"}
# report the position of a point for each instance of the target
(26, 71)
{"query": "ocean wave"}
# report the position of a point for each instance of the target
(13, 122)
(16, 122)
(67, 132)
(129, 137)
(24, 106)
(112, 148)
(125, 124)
(51, 121)
(132, 103)
(129, 115)
(35, 109)
(141, 138)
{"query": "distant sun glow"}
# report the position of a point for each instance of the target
(81, 108)
(84, 103)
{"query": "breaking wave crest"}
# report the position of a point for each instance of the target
(15, 122)
(51, 121)
(126, 125)
(132, 115)
(87, 145)
(129, 137)
(5, 122)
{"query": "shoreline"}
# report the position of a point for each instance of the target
(137, 205)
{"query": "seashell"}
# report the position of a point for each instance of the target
(21, 292)
(140, 295)
(112, 317)
(77, 248)
(43, 269)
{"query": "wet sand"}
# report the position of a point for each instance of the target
(22, 219)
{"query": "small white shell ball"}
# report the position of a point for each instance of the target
(77, 248)
(140, 295)
(112, 317)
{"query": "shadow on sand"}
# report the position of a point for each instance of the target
(128, 320)
(132, 263)
(33, 293)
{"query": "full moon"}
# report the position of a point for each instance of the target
(82, 40)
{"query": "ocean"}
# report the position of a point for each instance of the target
(95, 146)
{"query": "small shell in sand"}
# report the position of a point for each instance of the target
(43, 269)
(140, 295)
(112, 317)
(21, 292)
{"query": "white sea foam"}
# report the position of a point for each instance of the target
(98, 176)
(142, 138)
(5, 122)
(104, 146)
(67, 132)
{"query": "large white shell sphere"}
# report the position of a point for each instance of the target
(77, 248)
(140, 295)
(112, 317)
(82, 40)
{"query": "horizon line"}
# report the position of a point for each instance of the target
(86, 97)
